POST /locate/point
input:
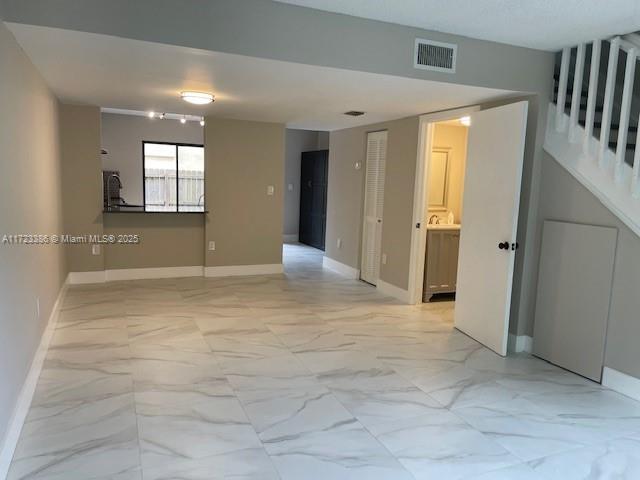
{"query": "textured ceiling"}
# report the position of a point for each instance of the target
(540, 24)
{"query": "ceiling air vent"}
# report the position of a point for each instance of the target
(436, 56)
(354, 113)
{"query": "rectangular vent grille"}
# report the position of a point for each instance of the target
(354, 113)
(436, 56)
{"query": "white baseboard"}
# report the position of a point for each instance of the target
(621, 383)
(243, 270)
(340, 268)
(160, 272)
(23, 403)
(290, 238)
(393, 291)
(520, 343)
(77, 278)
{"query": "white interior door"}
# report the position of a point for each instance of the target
(489, 223)
(373, 203)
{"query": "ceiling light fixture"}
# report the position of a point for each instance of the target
(202, 122)
(183, 120)
(197, 98)
(466, 121)
(161, 116)
(151, 114)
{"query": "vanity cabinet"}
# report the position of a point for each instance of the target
(441, 261)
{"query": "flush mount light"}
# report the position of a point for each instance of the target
(354, 113)
(151, 114)
(466, 121)
(197, 98)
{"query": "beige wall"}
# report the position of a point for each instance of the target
(31, 202)
(122, 136)
(81, 182)
(453, 138)
(346, 194)
(296, 142)
(242, 159)
(563, 198)
(166, 240)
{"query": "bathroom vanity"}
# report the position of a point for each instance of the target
(441, 260)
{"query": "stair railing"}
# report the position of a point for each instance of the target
(601, 156)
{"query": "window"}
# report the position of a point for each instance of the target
(173, 177)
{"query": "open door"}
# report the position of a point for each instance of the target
(489, 223)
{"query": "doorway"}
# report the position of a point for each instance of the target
(489, 218)
(314, 171)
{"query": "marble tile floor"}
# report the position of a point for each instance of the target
(303, 376)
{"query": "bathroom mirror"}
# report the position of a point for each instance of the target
(438, 179)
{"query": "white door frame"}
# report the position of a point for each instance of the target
(419, 235)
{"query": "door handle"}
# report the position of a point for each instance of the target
(503, 245)
(379, 220)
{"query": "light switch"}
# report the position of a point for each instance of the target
(95, 249)
(212, 245)
(358, 165)
(339, 243)
(290, 187)
(271, 190)
(384, 258)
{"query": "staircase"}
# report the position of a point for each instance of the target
(592, 126)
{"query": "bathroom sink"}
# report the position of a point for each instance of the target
(441, 226)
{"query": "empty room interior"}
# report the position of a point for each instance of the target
(317, 239)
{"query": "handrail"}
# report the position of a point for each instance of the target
(631, 45)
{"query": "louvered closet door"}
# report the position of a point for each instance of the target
(373, 203)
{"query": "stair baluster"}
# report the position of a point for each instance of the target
(605, 130)
(576, 97)
(625, 111)
(562, 89)
(592, 95)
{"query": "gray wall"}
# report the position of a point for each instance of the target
(167, 240)
(242, 159)
(122, 136)
(296, 142)
(31, 199)
(81, 182)
(346, 196)
(563, 198)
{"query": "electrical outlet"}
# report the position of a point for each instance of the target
(384, 258)
(271, 190)
(95, 249)
(339, 243)
(212, 245)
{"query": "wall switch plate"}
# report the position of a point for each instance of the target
(339, 243)
(95, 249)
(358, 165)
(384, 258)
(290, 187)
(271, 190)
(212, 245)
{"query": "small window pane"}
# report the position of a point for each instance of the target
(160, 181)
(191, 179)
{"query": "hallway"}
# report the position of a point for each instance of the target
(303, 376)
